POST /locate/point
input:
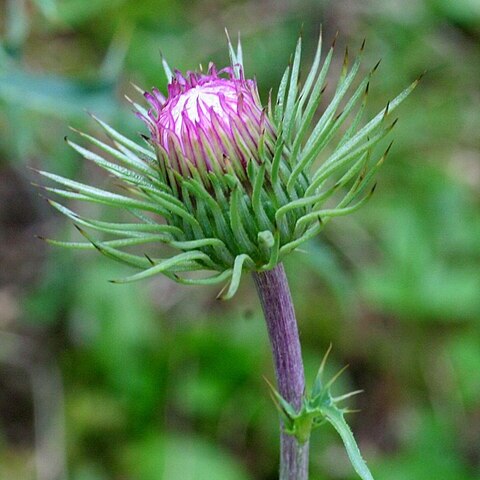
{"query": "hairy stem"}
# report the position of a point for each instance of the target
(274, 293)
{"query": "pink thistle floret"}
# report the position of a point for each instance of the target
(208, 121)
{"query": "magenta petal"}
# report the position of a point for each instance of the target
(207, 118)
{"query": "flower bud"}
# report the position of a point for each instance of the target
(231, 185)
(208, 122)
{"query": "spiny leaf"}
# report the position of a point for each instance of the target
(166, 265)
(114, 253)
(281, 97)
(123, 242)
(312, 105)
(371, 126)
(292, 90)
(237, 224)
(112, 133)
(332, 212)
(213, 280)
(313, 231)
(132, 160)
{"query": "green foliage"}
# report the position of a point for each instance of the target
(181, 456)
(318, 407)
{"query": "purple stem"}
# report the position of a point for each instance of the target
(274, 293)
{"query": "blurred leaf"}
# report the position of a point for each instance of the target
(321, 259)
(113, 62)
(464, 11)
(187, 458)
(432, 453)
(75, 12)
(428, 238)
(464, 354)
(17, 25)
(118, 326)
(55, 95)
(49, 8)
(89, 472)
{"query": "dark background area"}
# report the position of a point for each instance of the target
(157, 381)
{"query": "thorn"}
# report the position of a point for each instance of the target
(341, 398)
(273, 394)
(419, 78)
(81, 230)
(372, 191)
(282, 405)
(335, 377)
(376, 66)
(334, 41)
(269, 383)
(128, 99)
(137, 88)
(393, 123)
(386, 109)
(73, 129)
(349, 410)
(228, 36)
(149, 259)
(362, 48)
(324, 360)
(345, 57)
(40, 237)
(388, 149)
(221, 292)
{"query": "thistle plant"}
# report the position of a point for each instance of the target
(233, 185)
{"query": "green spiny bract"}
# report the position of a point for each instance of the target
(232, 185)
(318, 407)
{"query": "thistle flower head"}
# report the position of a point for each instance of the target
(231, 185)
(207, 121)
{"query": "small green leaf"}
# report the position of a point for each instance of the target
(166, 265)
(236, 276)
(335, 417)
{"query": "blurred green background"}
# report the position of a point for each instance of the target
(154, 381)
